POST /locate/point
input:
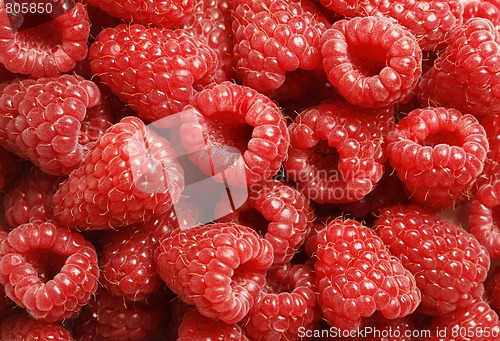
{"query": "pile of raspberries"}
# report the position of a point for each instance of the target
(358, 142)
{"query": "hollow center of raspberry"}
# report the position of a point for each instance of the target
(43, 37)
(368, 60)
(276, 286)
(324, 158)
(47, 263)
(254, 219)
(495, 216)
(451, 138)
(224, 129)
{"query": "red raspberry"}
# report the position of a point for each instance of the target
(356, 276)
(491, 124)
(448, 263)
(235, 116)
(211, 23)
(220, 268)
(195, 326)
(488, 9)
(31, 200)
(18, 326)
(273, 38)
(465, 76)
(158, 13)
(476, 322)
(9, 168)
(438, 153)
(280, 213)
(49, 271)
(492, 286)
(337, 151)
(129, 176)
(484, 219)
(155, 71)
(45, 50)
(286, 306)
(47, 120)
(127, 264)
(110, 318)
(371, 61)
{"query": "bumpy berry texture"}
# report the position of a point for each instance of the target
(158, 13)
(337, 150)
(488, 9)
(491, 124)
(195, 326)
(155, 71)
(273, 38)
(438, 153)
(127, 264)
(465, 76)
(45, 50)
(484, 219)
(372, 62)
(130, 175)
(227, 116)
(211, 22)
(18, 326)
(448, 263)
(220, 268)
(50, 271)
(52, 121)
(357, 276)
(31, 199)
(110, 318)
(286, 306)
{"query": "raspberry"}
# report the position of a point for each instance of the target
(478, 318)
(158, 13)
(465, 76)
(31, 200)
(286, 306)
(336, 152)
(211, 23)
(195, 326)
(45, 50)
(129, 176)
(18, 326)
(484, 219)
(491, 124)
(49, 271)
(220, 268)
(448, 263)
(372, 62)
(109, 318)
(128, 269)
(155, 71)
(273, 38)
(357, 276)
(488, 9)
(230, 115)
(438, 153)
(492, 286)
(46, 120)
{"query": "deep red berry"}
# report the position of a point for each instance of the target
(465, 76)
(438, 153)
(356, 276)
(45, 50)
(287, 305)
(273, 38)
(228, 116)
(337, 151)
(155, 71)
(18, 326)
(31, 200)
(130, 175)
(9, 168)
(448, 263)
(52, 121)
(220, 268)
(491, 124)
(48, 270)
(195, 326)
(488, 9)
(371, 61)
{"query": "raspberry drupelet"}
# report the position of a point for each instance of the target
(195, 326)
(48, 49)
(18, 326)
(48, 270)
(372, 62)
(448, 263)
(438, 153)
